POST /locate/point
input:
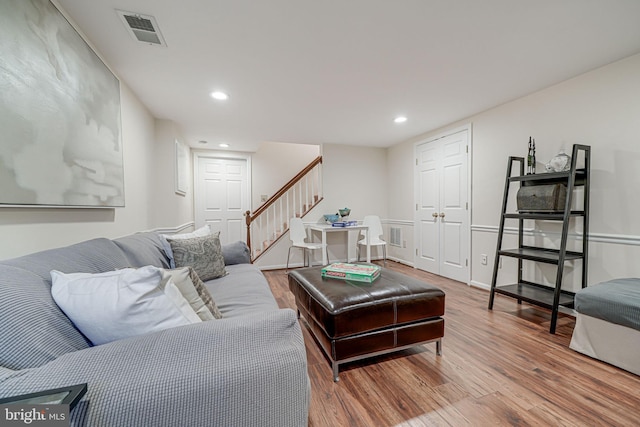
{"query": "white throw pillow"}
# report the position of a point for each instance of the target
(200, 232)
(122, 303)
(180, 277)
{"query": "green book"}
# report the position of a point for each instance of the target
(355, 272)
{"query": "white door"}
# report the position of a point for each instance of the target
(428, 207)
(442, 216)
(222, 196)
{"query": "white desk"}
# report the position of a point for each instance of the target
(327, 228)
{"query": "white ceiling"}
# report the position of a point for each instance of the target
(339, 71)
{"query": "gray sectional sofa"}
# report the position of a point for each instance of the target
(247, 369)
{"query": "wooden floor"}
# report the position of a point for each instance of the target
(498, 368)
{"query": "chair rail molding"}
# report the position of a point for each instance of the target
(405, 222)
(617, 239)
(173, 230)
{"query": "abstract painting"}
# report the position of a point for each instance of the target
(60, 130)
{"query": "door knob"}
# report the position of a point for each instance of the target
(435, 214)
(441, 214)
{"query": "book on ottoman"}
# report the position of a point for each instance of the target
(355, 272)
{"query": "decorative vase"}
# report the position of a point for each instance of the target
(561, 162)
(344, 213)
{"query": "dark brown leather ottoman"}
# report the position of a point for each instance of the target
(354, 320)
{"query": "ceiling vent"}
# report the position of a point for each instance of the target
(143, 28)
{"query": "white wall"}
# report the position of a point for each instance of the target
(150, 201)
(170, 210)
(400, 168)
(353, 177)
(274, 164)
(26, 230)
(599, 108)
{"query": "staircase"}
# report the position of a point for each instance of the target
(267, 224)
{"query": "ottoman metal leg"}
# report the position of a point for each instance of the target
(439, 347)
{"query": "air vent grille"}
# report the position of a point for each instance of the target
(147, 37)
(139, 23)
(395, 236)
(142, 28)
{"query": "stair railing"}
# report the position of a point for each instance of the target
(296, 198)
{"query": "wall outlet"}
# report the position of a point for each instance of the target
(483, 259)
(404, 243)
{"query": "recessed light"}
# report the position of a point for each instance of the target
(400, 119)
(223, 145)
(221, 96)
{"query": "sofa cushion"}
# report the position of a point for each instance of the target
(34, 330)
(91, 256)
(147, 248)
(243, 291)
(181, 278)
(236, 253)
(614, 301)
(204, 254)
(119, 304)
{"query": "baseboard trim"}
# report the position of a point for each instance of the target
(401, 261)
(407, 223)
(299, 265)
(480, 285)
(280, 266)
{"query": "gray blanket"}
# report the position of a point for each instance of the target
(616, 301)
(247, 369)
(197, 375)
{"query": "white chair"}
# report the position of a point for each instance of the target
(375, 231)
(298, 235)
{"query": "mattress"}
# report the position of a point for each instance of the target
(616, 301)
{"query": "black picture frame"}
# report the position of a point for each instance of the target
(70, 395)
